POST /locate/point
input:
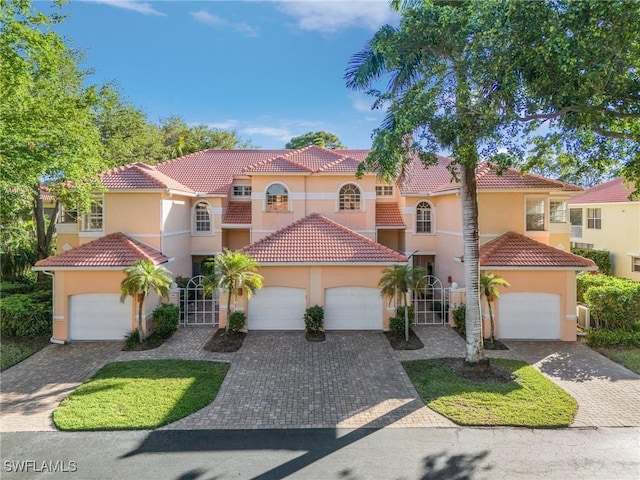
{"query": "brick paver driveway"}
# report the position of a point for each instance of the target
(279, 380)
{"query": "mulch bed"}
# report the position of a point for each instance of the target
(496, 345)
(315, 337)
(220, 342)
(398, 342)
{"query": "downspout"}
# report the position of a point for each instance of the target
(53, 305)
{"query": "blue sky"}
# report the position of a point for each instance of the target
(269, 70)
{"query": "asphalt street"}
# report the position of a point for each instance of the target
(389, 453)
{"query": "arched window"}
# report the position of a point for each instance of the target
(424, 218)
(202, 218)
(277, 198)
(349, 197)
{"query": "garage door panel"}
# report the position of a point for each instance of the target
(353, 308)
(99, 316)
(532, 316)
(277, 308)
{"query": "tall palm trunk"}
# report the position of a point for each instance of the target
(226, 327)
(489, 301)
(468, 186)
(141, 298)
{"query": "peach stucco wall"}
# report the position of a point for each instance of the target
(315, 279)
(559, 282)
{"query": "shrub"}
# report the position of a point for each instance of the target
(26, 314)
(165, 319)
(397, 325)
(400, 312)
(587, 280)
(460, 317)
(602, 258)
(237, 320)
(601, 338)
(614, 305)
(11, 288)
(313, 319)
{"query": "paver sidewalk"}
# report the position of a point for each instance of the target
(278, 380)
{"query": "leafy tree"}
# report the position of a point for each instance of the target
(433, 104)
(489, 284)
(231, 271)
(126, 133)
(181, 139)
(47, 128)
(576, 72)
(140, 278)
(400, 280)
(321, 139)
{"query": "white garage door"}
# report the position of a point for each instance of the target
(352, 308)
(534, 316)
(277, 308)
(99, 316)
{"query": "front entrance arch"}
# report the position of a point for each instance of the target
(197, 308)
(429, 301)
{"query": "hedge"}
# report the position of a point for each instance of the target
(165, 319)
(600, 338)
(26, 314)
(614, 305)
(602, 258)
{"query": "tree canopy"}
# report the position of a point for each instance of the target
(321, 139)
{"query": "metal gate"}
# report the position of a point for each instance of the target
(429, 301)
(196, 308)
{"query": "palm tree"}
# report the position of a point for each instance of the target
(232, 271)
(489, 284)
(400, 279)
(432, 96)
(141, 277)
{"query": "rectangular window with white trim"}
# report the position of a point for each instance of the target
(594, 218)
(93, 220)
(635, 264)
(558, 211)
(242, 190)
(384, 190)
(535, 214)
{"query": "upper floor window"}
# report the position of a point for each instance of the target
(68, 216)
(424, 218)
(242, 190)
(384, 190)
(535, 214)
(558, 211)
(349, 197)
(202, 218)
(575, 217)
(277, 198)
(594, 218)
(635, 264)
(92, 220)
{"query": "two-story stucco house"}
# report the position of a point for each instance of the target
(320, 235)
(605, 218)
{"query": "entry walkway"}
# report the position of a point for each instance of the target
(279, 380)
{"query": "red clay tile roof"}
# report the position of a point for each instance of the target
(211, 171)
(388, 215)
(307, 160)
(316, 239)
(237, 212)
(139, 176)
(514, 250)
(437, 178)
(609, 192)
(113, 250)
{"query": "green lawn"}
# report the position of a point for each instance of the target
(529, 400)
(14, 350)
(140, 394)
(628, 357)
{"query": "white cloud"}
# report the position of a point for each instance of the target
(207, 18)
(224, 125)
(331, 16)
(213, 20)
(145, 8)
(278, 133)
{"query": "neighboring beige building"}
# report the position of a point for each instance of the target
(320, 235)
(603, 218)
